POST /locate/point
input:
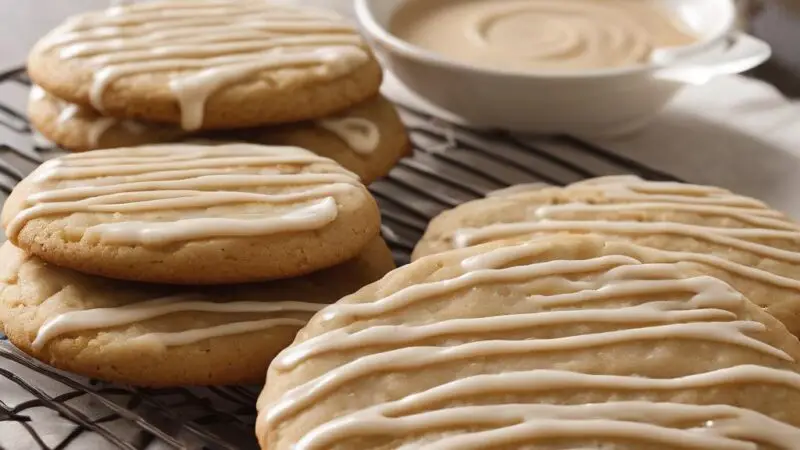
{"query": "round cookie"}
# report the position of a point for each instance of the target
(558, 343)
(367, 139)
(192, 214)
(208, 64)
(165, 336)
(80, 128)
(737, 238)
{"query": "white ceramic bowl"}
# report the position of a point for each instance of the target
(590, 102)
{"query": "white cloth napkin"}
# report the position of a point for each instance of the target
(734, 132)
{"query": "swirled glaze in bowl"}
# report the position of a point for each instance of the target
(541, 34)
(588, 101)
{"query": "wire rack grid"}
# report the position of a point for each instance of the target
(43, 408)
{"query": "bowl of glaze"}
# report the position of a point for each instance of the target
(585, 102)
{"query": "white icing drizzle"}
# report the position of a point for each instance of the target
(135, 127)
(730, 237)
(311, 217)
(99, 318)
(518, 422)
(66, 113)
(472, 278)
(205, 46)
(187, 337)
(403, 335)
(193, 179)
(40, 141)
(630, 193)
(766, 218)
(98, 128)
(362, 135)
(518, 189)
(37, 93)
(543, 380)
(709, 315)
(732, 333)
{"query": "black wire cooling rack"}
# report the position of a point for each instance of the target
(43, 408)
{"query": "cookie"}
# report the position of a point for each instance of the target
(80, 128)
(559, 343)
(367, 139)
(192, 214)
(739, 239)
(208, 64)
(165, 336)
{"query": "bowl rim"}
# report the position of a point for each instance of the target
(367, 20)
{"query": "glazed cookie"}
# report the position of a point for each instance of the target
(558, 343)
(208, 64)
(80, 128)
(165, 336)
(739, 239)
(192, 214)
(367, 139)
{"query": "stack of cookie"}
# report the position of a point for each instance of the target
(237, 70)
(181, 264)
